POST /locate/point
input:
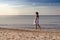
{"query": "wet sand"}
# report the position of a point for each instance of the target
(28, 34)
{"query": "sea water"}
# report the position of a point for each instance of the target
(27, 21)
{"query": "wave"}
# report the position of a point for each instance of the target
(43, 26)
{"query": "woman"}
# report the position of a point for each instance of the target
(37, 20)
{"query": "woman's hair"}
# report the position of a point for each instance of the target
(37, 14)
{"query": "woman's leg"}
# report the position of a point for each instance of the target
(36, 26)
(39, 26)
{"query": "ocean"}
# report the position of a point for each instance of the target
(27, 21)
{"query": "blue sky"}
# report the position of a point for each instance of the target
(20, 7)
(29, 2)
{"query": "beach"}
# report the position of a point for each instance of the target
(28, 34)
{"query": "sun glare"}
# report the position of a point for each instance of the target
(3, 5)
(6, 9)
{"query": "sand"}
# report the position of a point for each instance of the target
(23, 34)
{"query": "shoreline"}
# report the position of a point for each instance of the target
(32, 30)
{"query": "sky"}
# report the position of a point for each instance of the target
(29, 7)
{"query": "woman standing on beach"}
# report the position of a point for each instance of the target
(37, 20)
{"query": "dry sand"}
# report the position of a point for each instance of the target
(22, 34)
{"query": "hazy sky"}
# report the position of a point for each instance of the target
(29, 7)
